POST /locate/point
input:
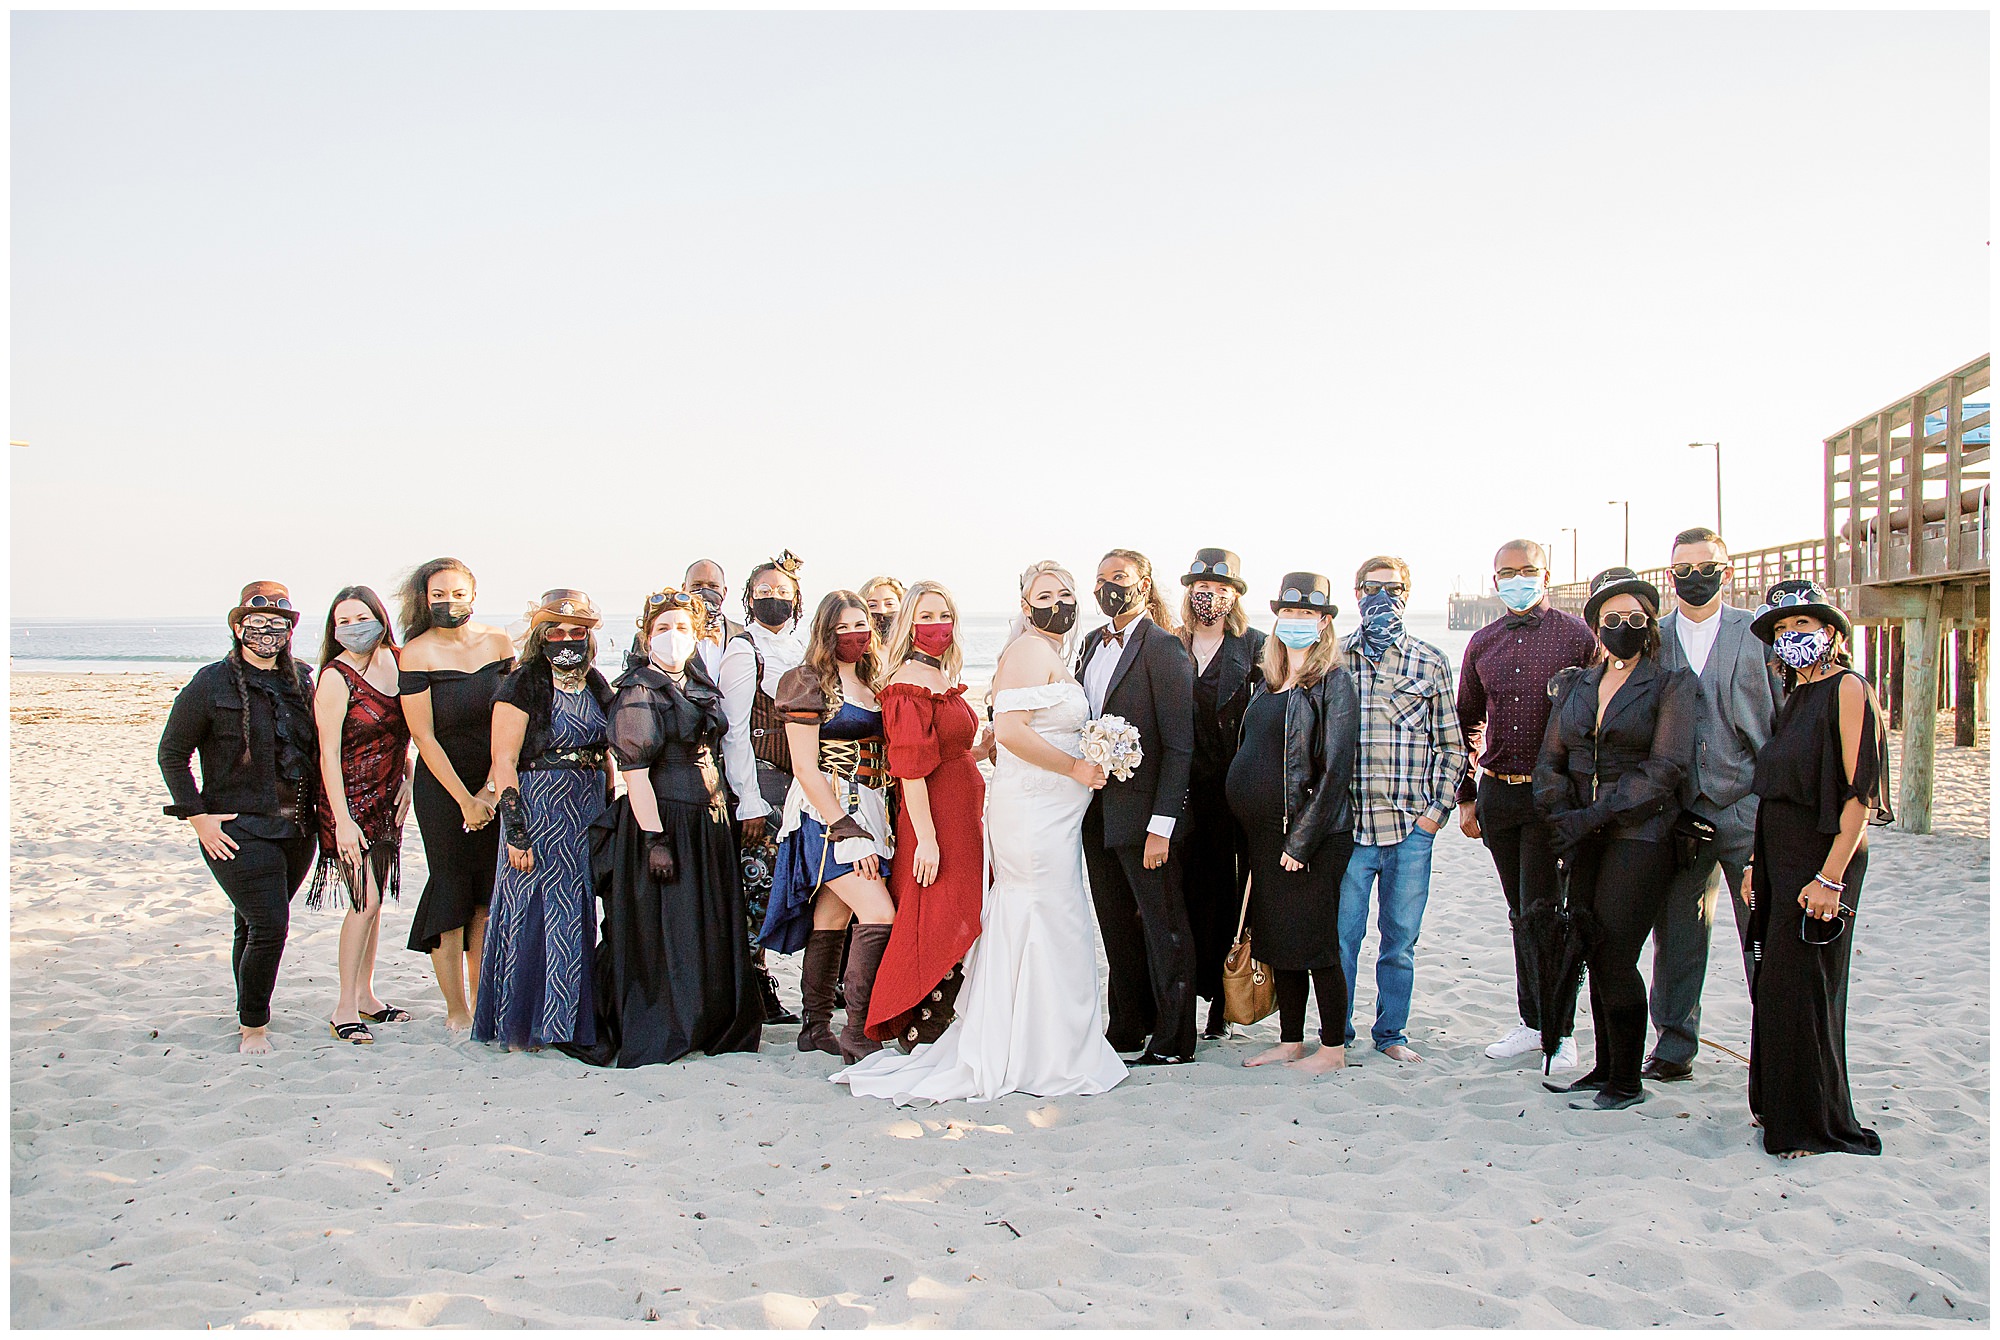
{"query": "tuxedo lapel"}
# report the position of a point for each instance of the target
(1672, 657)
(1632, 692)
(1135, 634)
(1728, 645)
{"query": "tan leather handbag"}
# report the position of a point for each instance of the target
(1249, 991)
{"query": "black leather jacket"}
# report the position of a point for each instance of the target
(1628, 777)
(1322, 735)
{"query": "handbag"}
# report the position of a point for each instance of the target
(1249, 990)
(1692, 836)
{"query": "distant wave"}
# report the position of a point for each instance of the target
(94, 656)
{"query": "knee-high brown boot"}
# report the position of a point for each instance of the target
(864, 958)
(817, 975)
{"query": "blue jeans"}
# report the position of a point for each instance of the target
(1404, 872)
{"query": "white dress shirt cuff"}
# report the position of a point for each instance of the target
(1161, 825)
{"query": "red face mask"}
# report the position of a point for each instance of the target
(932, 639)
(849, 648)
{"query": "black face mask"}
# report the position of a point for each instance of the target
(882, 622)
(449, 613)
(1114, 599)
(772, 611)
(1622, 643)
(1058, 618)
(568, 657)
(1696, 589)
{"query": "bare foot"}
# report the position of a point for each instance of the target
(255, 1042)
(1400, 1053)
(1321, 1061)
(458, 1023)
(1756, 1120)
(1797, 1153)
(1284, 1051)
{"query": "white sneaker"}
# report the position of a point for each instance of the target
(1565, 1057)
(1517, 1043)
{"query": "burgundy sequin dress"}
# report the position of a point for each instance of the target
(374, 749)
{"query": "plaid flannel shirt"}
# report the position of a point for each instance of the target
(1412, 752)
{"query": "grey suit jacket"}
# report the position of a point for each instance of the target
(1740, 693)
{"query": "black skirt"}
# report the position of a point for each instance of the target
(673, 968)
(1294, 914)
(462, 865)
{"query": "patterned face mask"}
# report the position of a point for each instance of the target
(1801, 650)
(266, 637)
(1209, 607)
(1381, 623)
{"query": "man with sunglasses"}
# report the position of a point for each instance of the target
(1740, 698)
(1503, 708)
(1407, 768)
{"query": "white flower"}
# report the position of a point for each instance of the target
(1112, 743)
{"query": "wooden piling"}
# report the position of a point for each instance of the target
(1919, 772)
(1965, 713)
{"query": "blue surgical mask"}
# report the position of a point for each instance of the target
(1298, 634)
(1518, 593)
(1802, 650)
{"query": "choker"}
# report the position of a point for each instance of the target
(926, 658)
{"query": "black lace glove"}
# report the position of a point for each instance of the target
(514, 820)
(1568, 829)
(660, 862)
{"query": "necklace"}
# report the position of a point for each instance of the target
(1618, 665)
(569, 683)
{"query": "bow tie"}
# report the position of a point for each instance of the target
(1529, 619)
(1111, 636)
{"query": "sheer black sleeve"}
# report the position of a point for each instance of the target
(1652, 786)
(1552, 789)
(635, 734)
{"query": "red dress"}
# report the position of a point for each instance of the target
(374, 750)
(930, 736)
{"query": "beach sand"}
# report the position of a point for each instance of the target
(160, 1180)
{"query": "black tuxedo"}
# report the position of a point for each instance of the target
(1141, 913)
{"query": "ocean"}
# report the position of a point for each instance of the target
(129, 646)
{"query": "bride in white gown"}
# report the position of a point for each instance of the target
(1031, 1011)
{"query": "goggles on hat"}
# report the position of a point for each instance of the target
(261, 602)
(1219, 568)
(1291, 595)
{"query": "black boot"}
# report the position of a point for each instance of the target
(1622, 1087)
(1600, 1069)
(864, 958)
(1217, 1027)
(817, 975)
(774, 1008)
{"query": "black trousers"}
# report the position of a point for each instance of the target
(1215, 866)
(1519, 842)
(260, 882)
(1147, 944)
(1329, 987)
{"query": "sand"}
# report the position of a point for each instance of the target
(161, 1180)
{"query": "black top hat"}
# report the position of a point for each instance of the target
(1306, 591)
(1619, 582)
(1216, 565)
(1798, 595)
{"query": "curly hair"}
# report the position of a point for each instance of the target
(788, 565)
(414, 595)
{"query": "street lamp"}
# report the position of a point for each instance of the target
(1571, 532)
(1627, 504)
(1718, 479)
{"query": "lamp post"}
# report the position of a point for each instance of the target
(1571, 532)
(1718, 480)
(1626, 503)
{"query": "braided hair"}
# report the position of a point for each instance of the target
(292, 678)
(787, 563)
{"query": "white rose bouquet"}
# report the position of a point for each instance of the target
(1112, 743)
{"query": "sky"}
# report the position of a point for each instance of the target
(579, 298)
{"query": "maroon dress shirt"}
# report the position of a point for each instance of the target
(1503, 688)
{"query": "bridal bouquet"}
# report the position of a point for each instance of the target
(1112, 743)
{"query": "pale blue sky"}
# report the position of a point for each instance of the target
(316, 297)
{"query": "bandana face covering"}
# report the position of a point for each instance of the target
(1381, 623)
(360, 637)
(1801, 650)
(450, 613)
(849, 648)
(1209, 608)
(932, 639)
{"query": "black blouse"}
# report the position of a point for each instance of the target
(207, 718)
(1804, 764)
(670, 731)
(1630, 773)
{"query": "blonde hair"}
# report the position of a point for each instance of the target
(1320, 658)
(1235, 623)
(1156, 604)
(902, 638)
(867, 588)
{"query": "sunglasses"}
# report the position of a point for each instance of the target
(1197, 568)
(1377, 588)
(1621, 619)
(566, 635)
(1291, 595)
(1708, 569)
(267, 602)
(1816, 932)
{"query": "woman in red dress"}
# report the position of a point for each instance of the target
(938, 879)
(364, 759)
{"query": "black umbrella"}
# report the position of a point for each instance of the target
(1559, 932)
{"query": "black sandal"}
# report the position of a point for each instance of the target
(357, 1034)
(388, 1014)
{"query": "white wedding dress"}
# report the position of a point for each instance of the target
(1031, 1012)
